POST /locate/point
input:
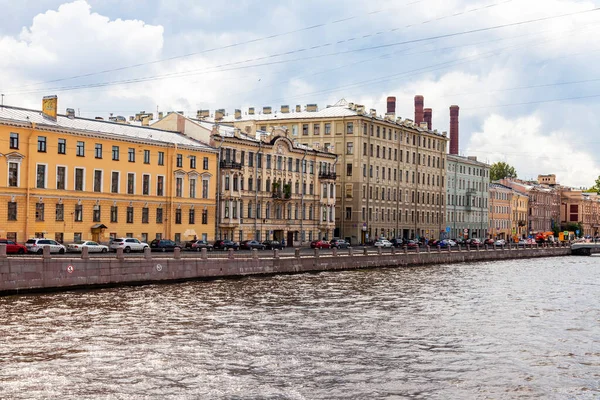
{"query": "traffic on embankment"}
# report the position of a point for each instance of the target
(42, 273)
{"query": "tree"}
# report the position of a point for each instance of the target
(501, 170)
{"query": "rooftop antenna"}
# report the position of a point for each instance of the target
(2, 99)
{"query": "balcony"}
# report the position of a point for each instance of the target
(230, 165)
(281, 196)
(327, 175)
(226, 223)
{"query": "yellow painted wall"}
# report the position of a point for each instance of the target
(27, 193)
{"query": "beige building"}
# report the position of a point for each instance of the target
(391, 172)
(582, 208)
(518, 222)
(270, 185)
(500, 211)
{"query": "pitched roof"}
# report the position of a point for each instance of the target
(114, 129)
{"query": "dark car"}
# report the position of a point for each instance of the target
(198, 245)
(397, 242)
(163, 245)
(252, 244)
(225, 244)
(320, 244)
(489, 242)
(412, 244)
(339, 244)
(272, 244)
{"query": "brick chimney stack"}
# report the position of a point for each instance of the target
(391, 105)
(419, 100)
(454, 129)
(427, 114)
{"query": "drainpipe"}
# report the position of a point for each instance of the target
(218, 211)
(302, 196)
(27, 185)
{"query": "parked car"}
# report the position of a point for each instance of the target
(127, 244)
(500, 242)
(489, 242)
(92, 247)
(412, 244)
(225, 245)
(252, 244)
(398, 242)
(13, 247)
(198, 245)
(339, 244)
(383, 243)
(448, 243)
(320, 244)
(37, 246)
(474, 242)
(163, 245)
(272, 244)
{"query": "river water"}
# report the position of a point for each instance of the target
(516, 329)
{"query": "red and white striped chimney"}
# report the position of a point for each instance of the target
(419, 101)
(454, 129)
(427, 114)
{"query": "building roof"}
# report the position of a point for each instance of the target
(339, 110)
(117, 130)
(466, 160)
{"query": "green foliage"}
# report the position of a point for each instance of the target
(501, 170)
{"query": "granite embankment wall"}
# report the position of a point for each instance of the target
(30, 274)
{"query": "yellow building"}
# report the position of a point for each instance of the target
(500, 212)
(71, 178)
(519, 208)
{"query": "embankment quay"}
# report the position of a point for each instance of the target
(31, 274)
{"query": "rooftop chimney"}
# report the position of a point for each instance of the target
(50, 106)
(160, 115)
(427, 112)
(238, 113)
(419, 100)
(285, 109)
(312, 107)
(267, 110)
(70, 113)
(454, 129)
(298, 108)
(219, 114)
(391, 105)
(251, 111)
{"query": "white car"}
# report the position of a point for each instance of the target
(383, 243)
(92, 247)
(500, 242)
(37, 246)
(128, 245)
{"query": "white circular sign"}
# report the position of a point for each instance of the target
(158, 267)
(70, 269)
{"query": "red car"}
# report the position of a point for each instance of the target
(13, 247)
(320, 244)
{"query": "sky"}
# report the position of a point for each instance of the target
(523, 72)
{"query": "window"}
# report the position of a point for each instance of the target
(13, 174)
(227, 178)
(114, 182)
(146, 156)
(348, 169)
(179, 187)
(160, 184)
(114, 214)
(41, 176)
(98, 150)
(14, 140)
(317, 129)
(159, 215)
(205, 162)
(146, 184)
(193, 162)
(193, 188)
(250, 159)
(131, 154)
(39, 212)
(192, 216)
(80, 149)
(350, 148)
(258, 160)
(130, 215)
(41, 144)
(328, 129)
(97, 180)
(145, 215)
(96, 213)
(61, 178)
(115, 153)
(179, 161)
(348, 213)
(350, 128)
(178, 216)
(130, 183)
(78, 215)
(161, 158)
(204, 217)
(12, 211)
(59, 213)
(305, 129)
(205, 188)
(79, 181)
(62, 146)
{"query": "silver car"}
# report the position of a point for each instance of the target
(128, 245)
(92, 247)
(37, 246)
